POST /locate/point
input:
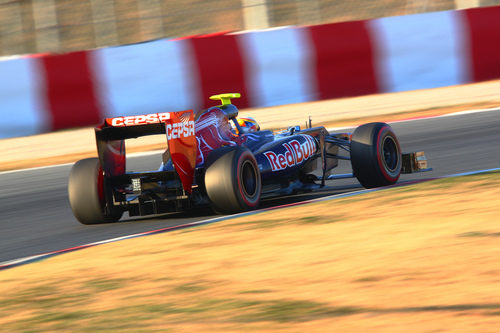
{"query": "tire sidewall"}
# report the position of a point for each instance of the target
(367, 155)
(224, 180)
(245, 156)
(87, 193)
(386, 133)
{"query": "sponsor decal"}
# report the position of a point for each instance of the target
(180, 130)
(182, 145)
(152, 118)
(295, 153)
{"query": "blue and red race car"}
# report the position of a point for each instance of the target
(214, 157)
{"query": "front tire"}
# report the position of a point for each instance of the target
(86, 192)
(375, 155)
(232, 180)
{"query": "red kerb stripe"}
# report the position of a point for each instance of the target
(344, 59)
(220, 68)
(484, 29)
(70, 90)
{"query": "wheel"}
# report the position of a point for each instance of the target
(375, 155)
(86, 193)
(232, 180)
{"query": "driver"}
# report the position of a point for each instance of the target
(247, 125)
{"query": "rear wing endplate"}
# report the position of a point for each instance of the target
(177, 126)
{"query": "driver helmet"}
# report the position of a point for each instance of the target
(247, 124)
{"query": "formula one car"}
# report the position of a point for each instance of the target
(218, 159)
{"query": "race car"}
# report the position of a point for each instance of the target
(215, 158)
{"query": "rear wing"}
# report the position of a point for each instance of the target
(121, 128)
(177, 126)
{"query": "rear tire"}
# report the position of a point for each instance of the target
(86, 192)
(375, 155)
(232, 180)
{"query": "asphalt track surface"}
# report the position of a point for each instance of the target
(35, 216)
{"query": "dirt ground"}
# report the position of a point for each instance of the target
(420, 258)
(72, 145)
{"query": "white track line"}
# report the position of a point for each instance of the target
(454, 114)
(469, 112)
(138, 154)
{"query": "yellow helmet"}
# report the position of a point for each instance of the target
(248, 124)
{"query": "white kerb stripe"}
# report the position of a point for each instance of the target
(420, 51)
(146, 78)
(22, 106)
(277, 66)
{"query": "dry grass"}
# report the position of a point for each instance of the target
(422, 258)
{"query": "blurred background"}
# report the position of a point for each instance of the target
(39, 26)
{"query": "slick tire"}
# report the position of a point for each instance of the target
(86, 192)
(375, 155)
(232, 180)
